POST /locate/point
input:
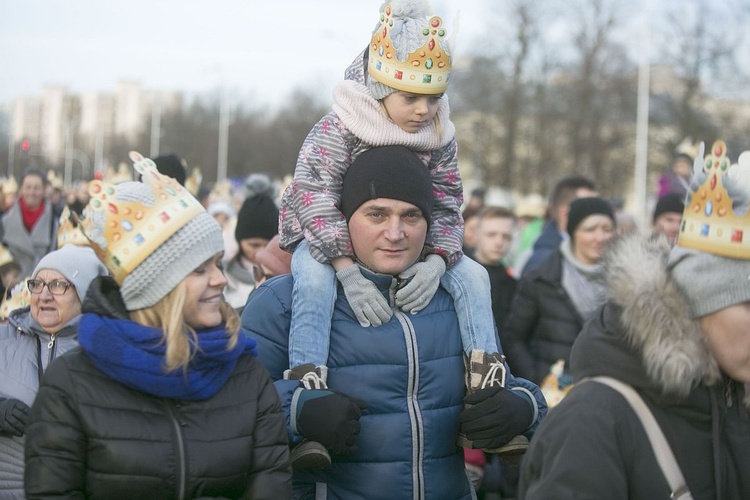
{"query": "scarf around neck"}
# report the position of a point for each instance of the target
(584, 283)
(134, 355)
(30, 216)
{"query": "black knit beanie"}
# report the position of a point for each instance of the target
(387, 172)
(172, 166)
(583, 207)
(258, 218)
(671, 202)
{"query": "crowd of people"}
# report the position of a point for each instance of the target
(363, 331)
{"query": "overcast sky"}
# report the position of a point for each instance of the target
(261, 48)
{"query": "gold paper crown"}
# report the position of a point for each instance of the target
(5, 256)
(20, 297)
(68, 233)
(54, 181)
(709, 223)
(124, 232)
(193, 182)
(425, 70)
(9, 185)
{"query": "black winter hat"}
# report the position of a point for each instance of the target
(258, 218)
(172, 166)
(670, 202)
(583, 207)
(387, 172)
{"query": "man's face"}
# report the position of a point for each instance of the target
(387, 235)
(494, 235)
(32, 191)
(669, 224)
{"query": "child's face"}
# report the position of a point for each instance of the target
(412, 112)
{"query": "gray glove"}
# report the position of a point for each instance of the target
(367, 302)
(425, 279)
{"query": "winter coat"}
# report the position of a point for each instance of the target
(547, 243)
(29, 247)
(592, 444)
(410, 374)
(310, 204)
(543, 323)
(502, 288)
(26, 351)
(92, 436)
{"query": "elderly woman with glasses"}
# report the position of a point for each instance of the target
(32, 338)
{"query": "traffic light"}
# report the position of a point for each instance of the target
(25, 145)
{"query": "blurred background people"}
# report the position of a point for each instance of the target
(162, 354)
(173, 166)
(667, 216)
(33, 337)
(257, 223)
(80, 197)
(530, 212)
(494, 236)
(29, 228)
(676, 329)
(553, 301)
(554, 231)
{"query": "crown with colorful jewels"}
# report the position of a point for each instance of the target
(20, 297)
(124, 232)
(716, 219)
(69, 233)
(425, 70)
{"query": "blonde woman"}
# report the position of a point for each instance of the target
(165, 398)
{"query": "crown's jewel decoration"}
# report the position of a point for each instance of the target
(124, 229)
(425, 71)
(716, 218)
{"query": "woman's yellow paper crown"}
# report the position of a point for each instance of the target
(123, 232)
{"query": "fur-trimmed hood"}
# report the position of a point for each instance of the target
(644, 335)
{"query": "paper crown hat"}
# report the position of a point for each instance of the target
(716, 218)
(425, 70)
(70, 233)
(9, 185)
(20, 297)
(5, 256)
(124, 232)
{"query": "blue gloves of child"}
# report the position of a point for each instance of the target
(424, 281)
(329, 417)
(367, 302)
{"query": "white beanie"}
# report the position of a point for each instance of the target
(79, 265)
(709, 282)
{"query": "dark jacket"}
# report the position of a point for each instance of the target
(89, 435)
(548, 242)
(543, 323)
(592, 444)
(502, 288)
(410, 374)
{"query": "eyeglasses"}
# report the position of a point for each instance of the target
(259, 274)
(55, 287)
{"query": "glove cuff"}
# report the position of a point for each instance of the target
(349, 274)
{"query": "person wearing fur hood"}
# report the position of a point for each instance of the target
(677, 329)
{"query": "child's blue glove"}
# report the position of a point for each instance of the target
(425, 279)
(367, 302)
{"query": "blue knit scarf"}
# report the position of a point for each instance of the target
(134, 355)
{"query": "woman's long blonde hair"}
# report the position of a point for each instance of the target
(180, 338)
